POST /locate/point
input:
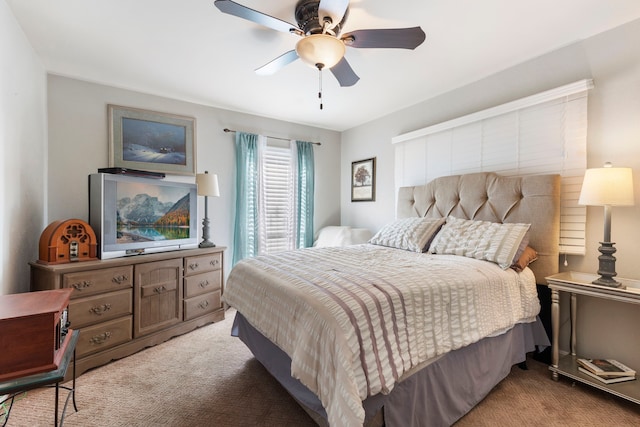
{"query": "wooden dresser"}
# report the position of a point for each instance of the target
(120, 306)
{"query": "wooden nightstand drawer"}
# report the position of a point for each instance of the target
(200, 264)
(96, 281)
(203, 304)
(100, 308)
(103, 336)
(202, 283)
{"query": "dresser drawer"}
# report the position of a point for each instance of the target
(97, 281)
(100, 308)
(104, 336)
(159, 288)
(202, 283)
(200, 264)
(203, 304)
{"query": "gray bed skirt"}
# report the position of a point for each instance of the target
(437, 395)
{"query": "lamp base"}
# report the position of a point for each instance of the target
(607, 266)
(606, 281)
(206, 244)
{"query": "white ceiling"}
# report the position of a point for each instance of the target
(189, 50)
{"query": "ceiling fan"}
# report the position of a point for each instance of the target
(322, 46)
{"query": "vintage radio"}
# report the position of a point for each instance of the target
(67, 241)
(33, 332)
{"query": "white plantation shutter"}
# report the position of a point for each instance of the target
(276, 211)
(540, 134)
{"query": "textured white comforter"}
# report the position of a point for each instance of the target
(355, 319)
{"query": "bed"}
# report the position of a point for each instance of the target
(384, 333)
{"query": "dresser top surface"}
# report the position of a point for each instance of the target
(127, 260)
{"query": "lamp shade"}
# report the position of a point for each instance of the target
(320, 50)
(207, 184)
(607, 186)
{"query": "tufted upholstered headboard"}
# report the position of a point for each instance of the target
(487, 196)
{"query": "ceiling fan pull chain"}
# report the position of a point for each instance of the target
(320, 86)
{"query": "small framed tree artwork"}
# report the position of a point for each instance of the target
(363, 180)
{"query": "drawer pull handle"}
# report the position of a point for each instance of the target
(159, 289)
(120, 279)
(100, 309)
(204, 304)
(82, 285)
(100, 339)
(194, 266)
(204, 284)
(214, 262)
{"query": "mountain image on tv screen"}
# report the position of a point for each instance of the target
(148, 212)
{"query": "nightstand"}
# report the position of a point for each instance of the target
(580, 284)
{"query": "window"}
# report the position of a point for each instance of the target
(276, 219)
(274, 202)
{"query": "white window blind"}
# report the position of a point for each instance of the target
(276, 183)
(540, 134)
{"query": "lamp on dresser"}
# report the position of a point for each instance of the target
(607, 186)
(207, 187)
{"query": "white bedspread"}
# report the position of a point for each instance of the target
(355, 319)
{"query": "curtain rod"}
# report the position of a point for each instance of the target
(272, 137)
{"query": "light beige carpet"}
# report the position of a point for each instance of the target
(208, 378)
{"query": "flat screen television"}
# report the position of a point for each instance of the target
(134, 215)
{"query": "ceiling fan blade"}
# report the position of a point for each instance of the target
(332, 9)
(401, 38)
(344, 73)
(273, 66)
(235, 9)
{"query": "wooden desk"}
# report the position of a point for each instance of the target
(17, 386)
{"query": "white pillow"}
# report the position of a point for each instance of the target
(489, 241)
(333, 235)
(411, 234)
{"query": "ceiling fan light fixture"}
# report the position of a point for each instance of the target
(320, 50)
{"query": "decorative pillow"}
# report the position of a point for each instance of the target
(411, 234)
(523, 244)
(489, 241)
(528, 256)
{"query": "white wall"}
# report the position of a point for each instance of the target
(23, 153)
(78, 146)
(613, 61)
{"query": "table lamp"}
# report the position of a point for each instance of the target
(207, 186)
(607, 186)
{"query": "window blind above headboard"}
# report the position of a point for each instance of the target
(540, 134)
